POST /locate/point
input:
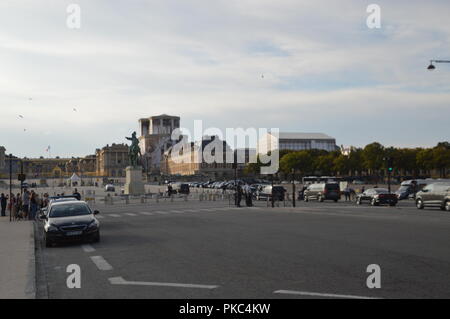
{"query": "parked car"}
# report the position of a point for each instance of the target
(70, 220)
(110, 188)
(406, 189)
(322, 191)
(434, 195)
(265, 191)
(181, 188)
(377, 196)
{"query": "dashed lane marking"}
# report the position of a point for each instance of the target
(317, 294)
(101, 263)
(130, 214)
(88, 248)
(146, 213)
(121, 281)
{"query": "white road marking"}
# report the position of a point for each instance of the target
(130, 214)
(88, 248)
(190, 210)
(101, 263)
(176, 211)
(114, 215)
(99, 217)
(161, 212)
(121, 281)
(146, 213)
(316, 294)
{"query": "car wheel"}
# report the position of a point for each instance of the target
(306, 199)
(392, 204)
(96, 237)
(419, 204)
(358, 202)
(335, 200)
(373, 202)
(320, 199)
(48, 242)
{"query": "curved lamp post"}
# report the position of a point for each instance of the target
(431, 67)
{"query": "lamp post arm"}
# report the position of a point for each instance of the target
(440, 61)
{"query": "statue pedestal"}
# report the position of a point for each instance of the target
(133, 183)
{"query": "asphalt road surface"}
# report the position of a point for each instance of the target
(211, 250)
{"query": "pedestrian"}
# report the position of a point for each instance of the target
(3, 203)
(248, 196)
(18, 207)
(34, 205)
(347, 194)
(239, 196)
(76, 194)
(25, 203)
(169, 189)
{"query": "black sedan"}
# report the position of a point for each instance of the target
(70, 220)
(377, 196)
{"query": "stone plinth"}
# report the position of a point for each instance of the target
(134, 184)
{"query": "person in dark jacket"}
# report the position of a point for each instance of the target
(3, 202)
(76, 194)
(239, 196)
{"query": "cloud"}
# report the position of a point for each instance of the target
(324, 70)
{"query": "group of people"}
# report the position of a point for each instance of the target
(23, 206)
(245, 191)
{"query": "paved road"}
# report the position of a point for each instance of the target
(211, 250)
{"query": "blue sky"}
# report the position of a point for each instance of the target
(324, 70)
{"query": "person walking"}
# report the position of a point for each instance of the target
(25, 203)
(76, 194)
(33, 205)
(3, 203)
(239, 195)
(248, 195)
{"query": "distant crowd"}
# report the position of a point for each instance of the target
(24, 206)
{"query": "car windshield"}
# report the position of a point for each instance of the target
(332, 186)
(68, 210)
(381, 190)
(403, 188)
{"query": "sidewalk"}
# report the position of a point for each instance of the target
(17, 259)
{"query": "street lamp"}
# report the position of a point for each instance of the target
(431, 67)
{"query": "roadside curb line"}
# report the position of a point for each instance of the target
(30, 289)
(41, 279)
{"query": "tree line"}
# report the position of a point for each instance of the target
(367, 161)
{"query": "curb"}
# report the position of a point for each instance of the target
(30, 289)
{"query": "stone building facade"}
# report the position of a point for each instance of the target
(111, 161)
(155, 139)
(192, 162)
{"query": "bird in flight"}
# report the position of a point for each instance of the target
(21, 116)
(74, 109)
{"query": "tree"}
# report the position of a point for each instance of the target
(301, 161)
(373, 155)
(441, 158)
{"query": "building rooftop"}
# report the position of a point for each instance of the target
(165, 116)
(305, 136)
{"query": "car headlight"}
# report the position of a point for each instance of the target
(93, 224)
(52, 228)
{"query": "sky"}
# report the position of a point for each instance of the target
(296, 65)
